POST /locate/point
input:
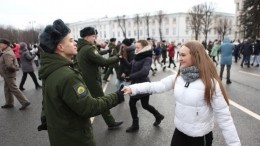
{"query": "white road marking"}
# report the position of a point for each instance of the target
(104, 90)
(249, 73)
(247, 111)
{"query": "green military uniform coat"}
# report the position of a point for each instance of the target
(89, 61)
(164, 51)
(68, 104)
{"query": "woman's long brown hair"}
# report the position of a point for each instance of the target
(207, 70)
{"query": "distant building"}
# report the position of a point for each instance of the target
(174, 27)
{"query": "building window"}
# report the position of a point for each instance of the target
(174, 20)
(113, 34)
(174, 31)
(166, 21)
(141, 33)
(118, 34)
(153, 22)
(100, 34)
(129, 24)
(134, 32)
(187, 31)
(153, 31)
(129, 33)
(167, 31)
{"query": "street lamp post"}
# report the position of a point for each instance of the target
(33, 33)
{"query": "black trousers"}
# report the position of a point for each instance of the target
(181, 139)
(33, 76)
(222, 70)
(145, 105)
(163, 61)
(171, 61)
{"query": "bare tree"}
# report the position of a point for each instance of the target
(147, 20)
(222, 27)
(207, 20)
(137, 22)
(195, 15)
(18, 35)
(160, 15)
(122, 24)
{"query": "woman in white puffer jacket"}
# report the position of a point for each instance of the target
(199, 95)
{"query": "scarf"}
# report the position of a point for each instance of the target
(190, 74)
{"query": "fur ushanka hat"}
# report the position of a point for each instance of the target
(52, 35)
(5, 41)
(88, 31)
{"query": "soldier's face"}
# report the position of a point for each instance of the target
(68, 46)
(91, 38)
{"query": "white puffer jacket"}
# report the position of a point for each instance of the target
(193, 116)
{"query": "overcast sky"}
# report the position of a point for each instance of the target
(19, 13)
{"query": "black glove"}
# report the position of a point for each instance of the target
(43, 125)
(109, 51)
(127, 79)
(120, 94)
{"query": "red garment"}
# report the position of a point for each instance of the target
(170, 50)
(16, 50)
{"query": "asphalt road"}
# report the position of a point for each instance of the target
(19, 128)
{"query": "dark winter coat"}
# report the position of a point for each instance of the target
(257, 48)
(26, 59)
(140, 66)
(247, 48)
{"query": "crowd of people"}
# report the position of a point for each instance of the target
(74, 68)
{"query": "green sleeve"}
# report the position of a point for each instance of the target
(95, 57)
(82, 103)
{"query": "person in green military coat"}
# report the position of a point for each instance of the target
(113, 52)
(90, 62)
(67, 102)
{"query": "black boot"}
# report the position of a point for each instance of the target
(164, 68)
(158, 119)
(115, 125)
(134, 127)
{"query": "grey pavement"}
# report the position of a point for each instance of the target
(19, 128)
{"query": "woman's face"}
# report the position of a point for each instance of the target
(69, 46)
(185, 57)
(138, 47)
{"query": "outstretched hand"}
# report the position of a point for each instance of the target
(126, 90)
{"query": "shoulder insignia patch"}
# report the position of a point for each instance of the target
(80, 89)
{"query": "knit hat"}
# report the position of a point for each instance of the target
(87, 31)
(5, 41)
(127, 42)
(52, 35)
